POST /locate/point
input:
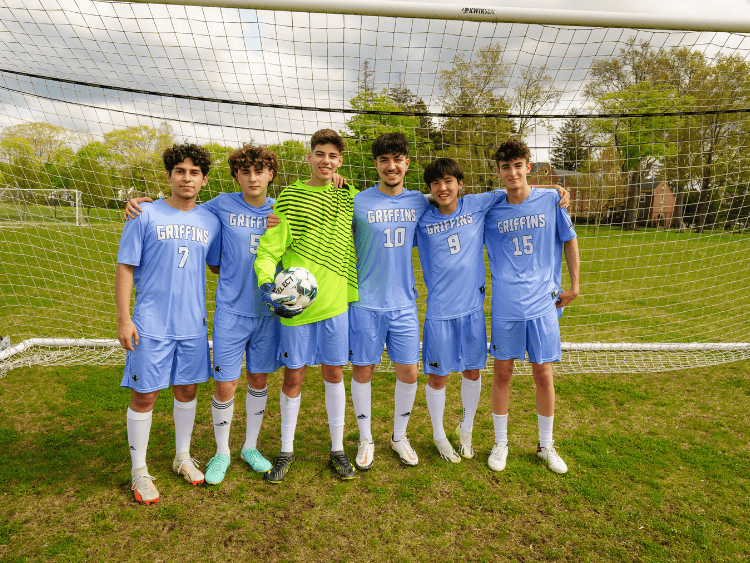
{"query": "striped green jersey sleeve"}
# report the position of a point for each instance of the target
(315, 233)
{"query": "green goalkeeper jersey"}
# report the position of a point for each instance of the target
(315, 232)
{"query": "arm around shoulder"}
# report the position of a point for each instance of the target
(573, 260)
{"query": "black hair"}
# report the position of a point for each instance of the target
(175, 154)
(390, 143)
(442, 167)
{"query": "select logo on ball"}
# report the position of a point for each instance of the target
(299, 283)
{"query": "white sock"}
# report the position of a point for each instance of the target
(289, 413)
(255, 407)
(139, 429)
(470, 391)
(501, 428)
(436, 406)
(184, 419)
(545, 429)
(336, 407)
(362, 402)
(403, 402)
(222, 414)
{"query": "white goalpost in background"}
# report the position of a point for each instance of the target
(644, 118)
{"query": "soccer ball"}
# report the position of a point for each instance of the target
(299, 283)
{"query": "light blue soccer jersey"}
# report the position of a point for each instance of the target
(384, 235)
(525, 247)
(168, 248)
(450, 249)
(241, 228)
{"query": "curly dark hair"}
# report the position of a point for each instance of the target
(250, 156)
(175, 154)
(440, 168)
(390, 143)
(326, 136)
(510, 150)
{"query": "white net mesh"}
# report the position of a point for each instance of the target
(647, 129)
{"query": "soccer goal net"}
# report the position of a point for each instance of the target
(647, 128)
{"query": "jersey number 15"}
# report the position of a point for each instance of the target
(528, 247)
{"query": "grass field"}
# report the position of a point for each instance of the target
(658, 460)
(57, 280)
(659, 471)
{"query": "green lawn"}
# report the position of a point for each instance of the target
(57, 280)
(658, 459)
(659, 471)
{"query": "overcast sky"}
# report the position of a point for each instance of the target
(281, 58)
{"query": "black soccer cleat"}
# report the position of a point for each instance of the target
(280, 468)
(341, 465)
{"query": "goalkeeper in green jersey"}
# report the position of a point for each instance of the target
(315, 232)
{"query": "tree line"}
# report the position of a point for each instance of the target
(671, 115)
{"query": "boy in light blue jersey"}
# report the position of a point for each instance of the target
(385, 222)
(450, 240)
(455, 335)
(525, 237)
(164, 252)
(243, 325)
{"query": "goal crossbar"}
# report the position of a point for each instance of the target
(487, 13)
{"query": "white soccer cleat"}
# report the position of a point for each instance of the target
(187, 466)
(464, 443)
(143, 488)
(405, 451)
(549, 455)
(446, 451)
(498, 457)
(365, 455)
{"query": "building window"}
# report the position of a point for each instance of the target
(662, 197)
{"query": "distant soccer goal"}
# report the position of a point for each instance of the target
(648, 129)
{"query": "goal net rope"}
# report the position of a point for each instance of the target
(647, 128)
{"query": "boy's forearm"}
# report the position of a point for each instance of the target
(123, 290)
(573, 260)
(273, 244)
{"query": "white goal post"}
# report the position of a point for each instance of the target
(644, 118)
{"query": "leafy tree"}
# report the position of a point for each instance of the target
(473, 87)
(219, 177)
(90, 172)
(36, 140)
(401, 95)
(136, 155)
(705, 145)
(641, 140)
(533, 92)
(292, 157)
(572, 145)
(363, 129)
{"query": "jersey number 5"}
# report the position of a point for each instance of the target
(528, 247)
(254, 241)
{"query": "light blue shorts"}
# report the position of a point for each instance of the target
(539, 337)
(455, 344)
(369, 330)
(321, 342)
(156, 363)
(256, 337)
